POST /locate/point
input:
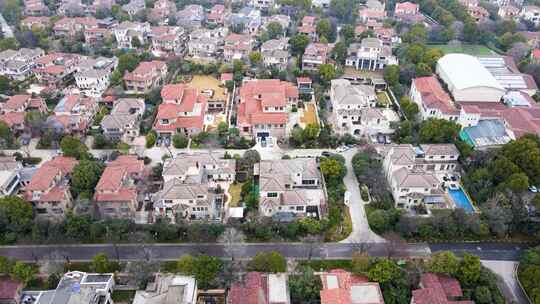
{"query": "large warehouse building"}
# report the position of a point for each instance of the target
(468, 80)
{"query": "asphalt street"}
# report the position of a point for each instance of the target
(164, 252)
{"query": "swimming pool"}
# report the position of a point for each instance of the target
(461, 200)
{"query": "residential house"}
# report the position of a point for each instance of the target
(531, 13)
(305, 85)
(432, 99)
(535, 56)
(168, 40)
(73, 115)
(508, 12)
(36, 22)
(75, 287)
(123, 123)
(35, 8)
(134, 7)
(56, 69)
(216, 16)
(275, 53)
(354, 110)
(13, 111)
(71, 8)
(96, 37)
(48, 190)
(10, 291)
(162, 10)
(147, 76)
(9, 176)
(263, 5)
(283, 20)
(191, 17)
(260, 288)
(207, 44)
(291, 187)
(93, 77)
(340, 286)
(182, 111)
(324, 4)
(413, 173)
(372, 9)
(408, 12)
(438, 288)
(117, 192)
(264, 108)
(127, 32)
(478, 13)
(100, 6)
(166, 288)
(194, 187)
(69, 27)
(18, 65)
(315, 55)
(370, 54)
(308, 28)
(248, 18)
(237, 47)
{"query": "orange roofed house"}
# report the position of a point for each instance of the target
(438, 289)
(342, 287)
(12, 111)
(147, 76)
(117, 192)
(182, 111)
(261, 288)
(264, 107)
(48, 190)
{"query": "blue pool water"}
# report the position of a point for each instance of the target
(461, 200)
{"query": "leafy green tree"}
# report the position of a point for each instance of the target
(391, 75)
(339, 52)
(469, 269)
(324, 29)
(271, 261)
(135, 42)
(438, 131)
(204, 268)
(383, 271)
(6, 137)
(311, 132)
(77, 226)
(361, 263)
(23, 272)
(423, 70)
(151, 138)
(409, 108)
(417, 34)
(305, 287)
(85, 177)
(482, 295)
(525, 153)
(274, 30)
(332, 168)
(431, 56)
(15, 214)
(298, 44)
(327, 72)
(223, 128)
(415, 53)
(180, 141)
(342, 9)
(9, 44)
(255, 58)
(444, 262)
(518, 182)
(127, 62)
(101, 264)
(347, 34)
(72, 146)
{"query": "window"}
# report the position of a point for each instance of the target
(271, 194)
(299, 208)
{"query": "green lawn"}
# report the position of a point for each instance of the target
(471, 49)
(234, 191)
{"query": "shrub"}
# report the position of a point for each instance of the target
(180, 141)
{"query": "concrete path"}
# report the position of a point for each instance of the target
(361, 231)
(507, 272)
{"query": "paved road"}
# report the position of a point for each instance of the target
(505, 252)
(361, 231)
(508, 283)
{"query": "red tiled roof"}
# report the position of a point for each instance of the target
(15, 102)
(341, 294)
(44, 176)
(145, 69)
(434, 96)
(111, 185)
(9, 289)
(226, 76)
(406, 6)
(536, 53)
(437, 289)
(253, 290)
(13, 118)
(303, 80)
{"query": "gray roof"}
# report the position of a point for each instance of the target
(371, 42)
(439, 149)
(213, 163)
(414, 179)
(275, 174)
(345, 93)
